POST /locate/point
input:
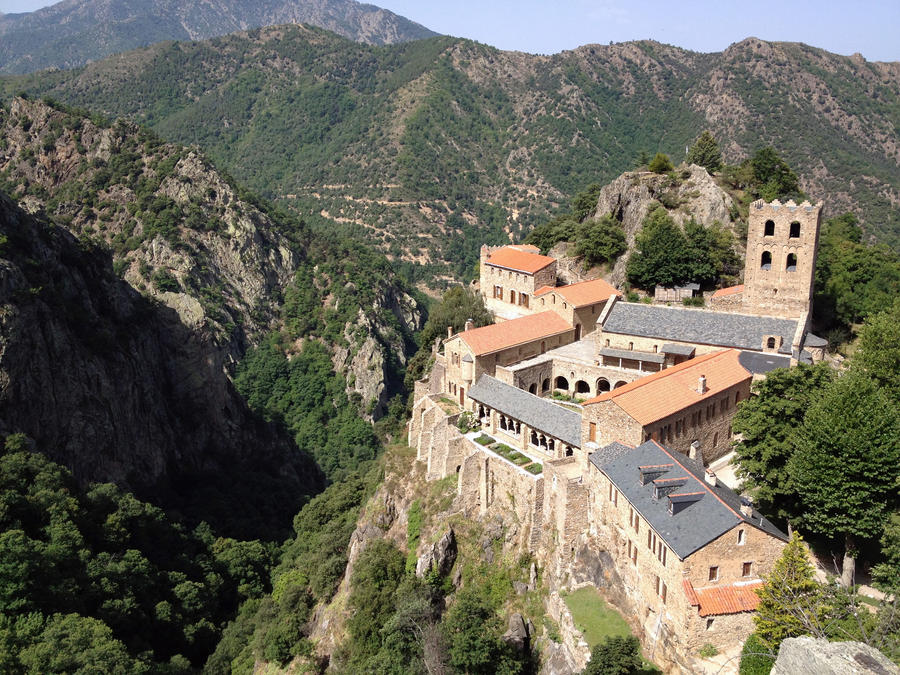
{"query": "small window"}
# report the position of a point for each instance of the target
(791, 265)
(746, 569)
(630, 346)
(770, 228)
(709, 624)
(766, 260)
(770, 343)
(714, 573)
(795, 230)
(592, 431)
(741, 537)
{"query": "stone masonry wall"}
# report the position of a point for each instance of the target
(510, 280)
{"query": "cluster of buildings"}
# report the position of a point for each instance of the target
(613, 412)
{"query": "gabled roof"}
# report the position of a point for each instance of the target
(666, 392)
(698, 326)
(730, 290)
(717, 600)
(582, 293)
(712, 511)
(536, 412)
(514, 258)
(497, 336)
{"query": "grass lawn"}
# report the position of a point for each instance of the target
(597, 620)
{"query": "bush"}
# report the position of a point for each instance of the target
(756, 659)
(535, 468)
(615, 656)
(698, 301)
(660, 163)
(708, 651)
(484, 439)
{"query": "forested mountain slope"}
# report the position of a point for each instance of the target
(431, 147)
(74, 32)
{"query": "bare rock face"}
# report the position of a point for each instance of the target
(517, 636)
(628, 199)
(439, 557)
(811, 655)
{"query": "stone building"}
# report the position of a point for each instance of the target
(475, 351)
(689, 551)
(580, 303)
(688, 407)
(509, 277)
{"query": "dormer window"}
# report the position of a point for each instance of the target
(770, 343)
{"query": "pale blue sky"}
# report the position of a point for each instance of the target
(870, 27)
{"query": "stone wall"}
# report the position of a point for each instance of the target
(565, 504)
(510, 280)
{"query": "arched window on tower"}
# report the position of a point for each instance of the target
(770, 229)
(795, 230)
(791, 265)
(766, 261)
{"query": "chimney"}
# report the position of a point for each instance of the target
(449, 331)
(701, 385)
(694, 452)
(711, 478)
(470, 324)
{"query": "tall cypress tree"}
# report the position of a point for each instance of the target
(706, 153)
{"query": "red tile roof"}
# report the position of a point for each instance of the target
(514, 258)
(731, 290)
(582, 293)
(664, 393)
(495, 337)
(717, 600)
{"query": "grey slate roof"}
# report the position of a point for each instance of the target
(814, 341)
(759, 363)
(698, 523)
(529, 409)
(680, 350)
(742, 331)
(630, 354)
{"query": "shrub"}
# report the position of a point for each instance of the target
(535, 468)
(484, 439)
(708, 651)
(756, 659)
(660, 163)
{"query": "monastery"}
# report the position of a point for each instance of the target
(590, 422)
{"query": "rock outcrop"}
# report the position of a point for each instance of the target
(628, 199)
(439, 557)
(116, 387)
(811, 655)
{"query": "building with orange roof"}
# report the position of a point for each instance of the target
(478, 351)
(580, 303)
(689, 407)
(509, 277)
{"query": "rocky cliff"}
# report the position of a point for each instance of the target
(184, 235)
(117, 387)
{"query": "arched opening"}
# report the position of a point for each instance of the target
(766, 260)
(545, 385)
(569, 451)
(543, 346)
(577, 332)
(620, 383)
(791, 265)
(534, 437)
(795, 230)
(770, 228)
(582, 387)
(603, 385)
(551, 445)
(770, 343)
(458, 467)
(716, 440)
(533, 388)
(512, 297)
(562, 383)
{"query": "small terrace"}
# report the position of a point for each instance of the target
(518, 458)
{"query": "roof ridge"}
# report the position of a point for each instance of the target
(665, 372)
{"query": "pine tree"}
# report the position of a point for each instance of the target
(789, 599)
(660, 163)
(705, 152)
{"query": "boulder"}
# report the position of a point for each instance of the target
(517, 636)
(812, 655)
(439, 556)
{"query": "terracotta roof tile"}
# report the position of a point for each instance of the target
(717, 600)
(514, 258)
(514, 332)
(731, 290)
(583, 293)
(664, 393)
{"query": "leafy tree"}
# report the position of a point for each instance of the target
(661, 254)
(847, 463)
(600, 240)
(878, 351)
(619, 655)
(773, 176)
(472, 630)
(756, 658)
(789, 599)
(660, 163)
(549, 234)
(705, 152)
(376, 575)
(887, 572)
(766, 423)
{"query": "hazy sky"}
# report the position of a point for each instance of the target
(870, 27)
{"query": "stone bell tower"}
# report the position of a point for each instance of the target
(782, 241)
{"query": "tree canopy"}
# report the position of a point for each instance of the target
(600, 240)
(660, 163)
